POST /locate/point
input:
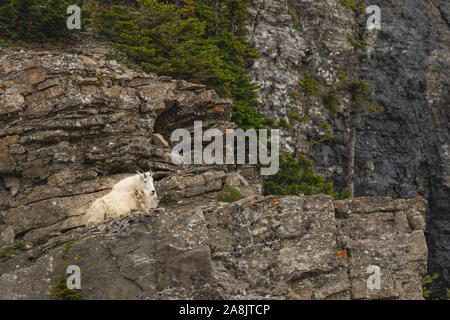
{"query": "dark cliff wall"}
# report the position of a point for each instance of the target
(409, 144)
(402, 152)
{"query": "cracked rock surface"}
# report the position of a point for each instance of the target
(305, 247)
(73, 125)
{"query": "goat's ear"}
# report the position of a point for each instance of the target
(140, 174)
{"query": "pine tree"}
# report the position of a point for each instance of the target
(296, 176)
(360, 94)
(203, 41)
(360, 100)
(307, 90)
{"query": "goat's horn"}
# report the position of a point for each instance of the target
(140, 170)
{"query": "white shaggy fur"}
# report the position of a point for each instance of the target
(130, 194)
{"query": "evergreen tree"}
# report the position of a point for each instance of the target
(35, 19)
(202, 41)
(296, 176)
(360, 94)
(360, 101)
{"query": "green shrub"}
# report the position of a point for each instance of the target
(119, 59)
(292, 115)
(5, 43)
(307, 87)
(356, 5)
(362, 44)
(325, 125)
(20, 245)
(283, 124)
(345, 194)
(35, 19)
(426, 282)
(47, 46)
(340, 215)
(40, 240)
(15, 249)
(229, 194)
(59, 290)
(8, 254)
(297, 177)
(331, 102)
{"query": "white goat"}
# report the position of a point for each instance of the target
(130, 194)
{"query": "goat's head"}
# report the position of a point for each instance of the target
(146, 180)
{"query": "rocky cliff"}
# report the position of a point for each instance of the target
(73, 123)
(260, 248)
(402, 152)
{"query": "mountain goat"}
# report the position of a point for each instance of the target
(133, 193)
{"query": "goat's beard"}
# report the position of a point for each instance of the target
(147, 200)
(150, 195)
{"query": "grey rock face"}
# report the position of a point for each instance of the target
(410, 141)
(296, 38)
(402, 152)
(268, 248)
(73, 125)
(281, 49)
(6, 235)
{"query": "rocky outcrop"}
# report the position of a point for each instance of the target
(72, 125)
(402, 152)
(281, 49)
(295, 38)
(265, 248)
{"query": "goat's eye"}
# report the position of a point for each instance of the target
(145, 180)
